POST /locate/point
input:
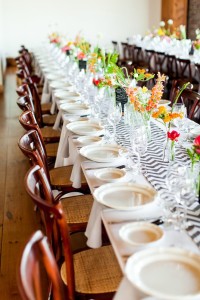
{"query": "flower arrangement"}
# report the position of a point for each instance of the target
(54, 38)
(194, 154)
(145, 100)
(166, 117)
(167, 30)
(196, 43)
(107, 62)
(173, 137)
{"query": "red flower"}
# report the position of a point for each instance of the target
(196, 144)
(81, 55)
(96, 81)
(173, 135)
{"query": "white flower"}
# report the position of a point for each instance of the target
(162, 24)
(135, 75)
(170, 22)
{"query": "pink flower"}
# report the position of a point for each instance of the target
(65, 48)
(81, 55)
(173, 135)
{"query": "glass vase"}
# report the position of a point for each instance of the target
(169, 150)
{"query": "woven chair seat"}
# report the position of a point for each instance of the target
(96, 271)
(77, 209)
(49, 120)
(46, 107)
(60, 177)
(51, 149)
(50, 135)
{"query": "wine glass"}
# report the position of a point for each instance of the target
(139, 141)
(115, 117)
(180, 108)
(182, 191)
(132, 164)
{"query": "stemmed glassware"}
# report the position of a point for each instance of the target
(114, 117)
(181, 188)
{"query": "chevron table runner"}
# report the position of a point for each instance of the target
(156, 170)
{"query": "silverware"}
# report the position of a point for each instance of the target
(151, 220)
(98, 168)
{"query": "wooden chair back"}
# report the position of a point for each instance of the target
(175, 88)
(32, 147)
(191, 99)
(25, 103)
(172, 71)
(37, 255)
(160, 62)
(150, 58)
(30, 89)
(55, 222)
(184, 69)
(197, 70)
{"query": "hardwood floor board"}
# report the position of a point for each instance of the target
(18, 220)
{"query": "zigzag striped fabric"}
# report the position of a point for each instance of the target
(155, 170)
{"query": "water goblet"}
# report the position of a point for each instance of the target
(115, 117)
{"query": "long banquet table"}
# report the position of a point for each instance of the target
(153, 175)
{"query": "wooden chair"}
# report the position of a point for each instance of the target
(47, 136)
(191, 99)
(126, 60)
(30, 90)
(37, 255)
(89, 274)
(33, 79)
(31, 145)
(138, 59)
(28, 121)
(150, 60)
(184, 69)
(197, 69)
(160, 62)
(176, 86)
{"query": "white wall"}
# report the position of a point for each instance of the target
(27, 21)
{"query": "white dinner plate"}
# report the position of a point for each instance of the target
(85, 128)
(75, 108)
(195, 132)
(166, 273)
(101, 153)
(125, 196)
(164, 102)
(63, 101)
(54, 76)
(140, 234)
(88, 140)
(66, 94)
(110, 174)
(64, 86)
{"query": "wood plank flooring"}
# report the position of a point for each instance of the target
(17, 217)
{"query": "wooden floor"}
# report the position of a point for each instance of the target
(17, 217)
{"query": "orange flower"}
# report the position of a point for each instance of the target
(141, 71)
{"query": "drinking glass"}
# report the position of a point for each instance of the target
(181, 187)
(180, 108)
(115, 117)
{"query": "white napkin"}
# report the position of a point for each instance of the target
(93, 230)
(126, 291)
